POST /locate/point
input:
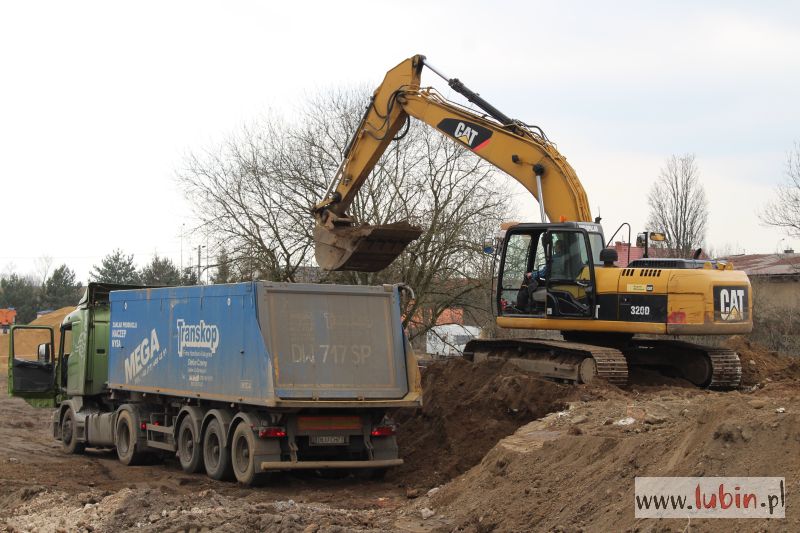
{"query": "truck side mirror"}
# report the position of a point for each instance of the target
(44, 353)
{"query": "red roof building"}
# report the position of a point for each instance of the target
(767, 265)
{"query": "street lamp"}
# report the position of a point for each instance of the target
(199, 264)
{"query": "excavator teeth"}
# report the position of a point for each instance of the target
(362, 248)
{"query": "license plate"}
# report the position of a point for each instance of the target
(328, 440)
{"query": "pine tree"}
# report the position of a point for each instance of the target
(19, 292)
(189, 276)
(60, 289)
(116, 267)
(160, 272)
(223, 274)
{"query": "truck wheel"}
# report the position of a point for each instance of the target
(125, 438)
(215, 454)
(69, 437)
(243, 452)
(190, 447)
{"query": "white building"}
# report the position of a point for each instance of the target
(448, 340)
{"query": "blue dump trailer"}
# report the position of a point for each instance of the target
(239, 380)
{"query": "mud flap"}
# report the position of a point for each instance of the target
(362, 248)
(384, 448)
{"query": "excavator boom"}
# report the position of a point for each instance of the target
(521, 151)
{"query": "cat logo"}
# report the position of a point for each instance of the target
(730, 303)
(465, 134)
(472, 135)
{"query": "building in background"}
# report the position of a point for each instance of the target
(448, 340)
(775, 277)
(628, 254)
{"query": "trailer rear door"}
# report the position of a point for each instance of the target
(334, 342)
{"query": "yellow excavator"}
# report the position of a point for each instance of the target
(555, 275)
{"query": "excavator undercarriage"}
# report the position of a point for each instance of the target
(579, 362)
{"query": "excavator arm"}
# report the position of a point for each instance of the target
(522, 152)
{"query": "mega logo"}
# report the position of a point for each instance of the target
(202, 336)
(473, 135)
(730, 303)
(141, 356)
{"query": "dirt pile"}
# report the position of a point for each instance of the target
(153, 510)
(466, 409)
(572, 470)
(760, 364)
(576, 471)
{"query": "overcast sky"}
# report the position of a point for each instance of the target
(101, 101)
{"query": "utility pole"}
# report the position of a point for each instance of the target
(183, 230)
(199, 272)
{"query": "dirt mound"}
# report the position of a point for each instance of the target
(643, 378)
(466, 409)
(760, 363)
(154, 511)
(576, 471)
(27, 342)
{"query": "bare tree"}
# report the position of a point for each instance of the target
(784, 210)
(42, 267)
(678, 205)
(254, 194)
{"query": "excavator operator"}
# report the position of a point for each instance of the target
(533, 293)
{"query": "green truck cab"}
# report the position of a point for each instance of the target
(80, 366)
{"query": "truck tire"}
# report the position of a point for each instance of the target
(69, 437)
(216, 455)
(190, 447)
(243, 453)
(125, 437)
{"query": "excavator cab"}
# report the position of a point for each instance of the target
(547, 270)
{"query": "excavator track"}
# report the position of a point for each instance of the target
(727, 369)
(560, 360)
(705, 366)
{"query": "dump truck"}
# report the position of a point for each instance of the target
(240, 380)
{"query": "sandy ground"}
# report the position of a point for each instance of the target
(569, 470)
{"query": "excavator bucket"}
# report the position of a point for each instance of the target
(362, 248)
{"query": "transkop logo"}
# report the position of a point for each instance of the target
(197, 339)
